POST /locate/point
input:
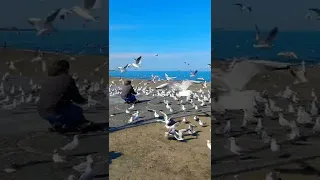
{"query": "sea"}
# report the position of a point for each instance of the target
(180, 75)
(65, 41)
(229, 44)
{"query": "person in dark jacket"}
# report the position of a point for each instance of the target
(57, 95)
(128, 93)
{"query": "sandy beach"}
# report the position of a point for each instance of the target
(141, 151)
(26, 145)
(302, 161)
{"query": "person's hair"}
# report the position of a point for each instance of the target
(63, 65)
(59, 67)
(127, 82)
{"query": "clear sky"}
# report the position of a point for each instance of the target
(16, 13)
(288, 15)
(176, 30)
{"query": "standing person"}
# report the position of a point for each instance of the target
(57, 95)
(128, 93)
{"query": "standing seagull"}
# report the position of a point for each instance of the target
(88, 5)
(44, 26)
(244, 8)
(137, 62)
(265, 43)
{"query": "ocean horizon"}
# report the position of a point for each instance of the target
(229, 44)
(62, 41)
(180, 75)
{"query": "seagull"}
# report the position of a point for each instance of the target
(244, 8)
(57, 158)
(82, 166)
(169, 78)
(137, 62)
(84, 12)
(194, 73)
(265, 43)
(88, 174)
(291, 55)
(72, 145)
(183, 88)
(44, 26)
(315, 11)
(124, 69)
(209, 144)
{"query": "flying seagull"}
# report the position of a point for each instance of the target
(44, 26)
(88, 5)
(137, 62)
(124, 69)
(244, 8)
(193, 73)
(265, 42)
(314, 11)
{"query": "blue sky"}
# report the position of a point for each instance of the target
(176, 30)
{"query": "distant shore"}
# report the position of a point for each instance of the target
(16, 29)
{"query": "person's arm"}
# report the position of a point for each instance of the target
(75, 94)
(132, 91)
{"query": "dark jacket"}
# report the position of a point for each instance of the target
(127, 90)
(58, 90)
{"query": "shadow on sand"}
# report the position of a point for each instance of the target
(113, 155)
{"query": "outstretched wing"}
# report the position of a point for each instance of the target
(315, 10)
(183, 86)
(53, 16)
(138, 60)
(272, 35)
(128, 65)
(257, 32)
(239, 4)
(88, 4)
(36, 23)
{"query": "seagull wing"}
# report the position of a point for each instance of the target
(53, 16)
(138, 60)
(88, 4)
(128, 65)
(36, 23)
(272, 35)
(315, 10)
(239, 4)
(165, 116)
(185, 85)
(257, 32)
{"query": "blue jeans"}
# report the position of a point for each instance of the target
(71, 115)
(130, 99)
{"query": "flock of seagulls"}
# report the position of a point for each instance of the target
(14, 96)
(179, 93)
(137, 63)
(265, 108)
(44, 26)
